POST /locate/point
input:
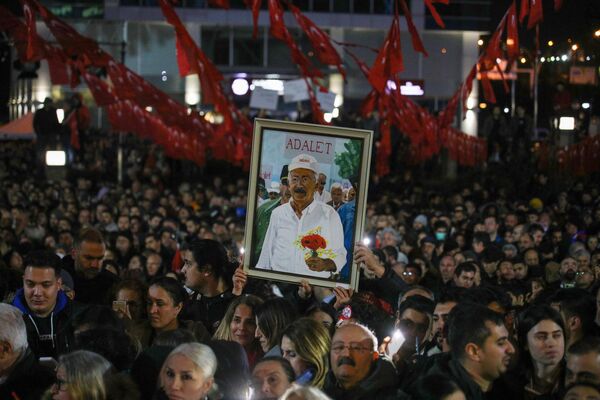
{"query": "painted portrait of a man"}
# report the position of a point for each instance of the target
(305, 235)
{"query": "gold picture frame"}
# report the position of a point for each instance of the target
(344, 156)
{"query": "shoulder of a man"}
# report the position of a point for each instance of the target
(28, 379)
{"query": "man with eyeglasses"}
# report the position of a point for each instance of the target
(357, 371)
(303, 217)
(585, 278)
(21, 376)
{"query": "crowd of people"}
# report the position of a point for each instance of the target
(485, 289)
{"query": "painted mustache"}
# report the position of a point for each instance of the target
(346, 361)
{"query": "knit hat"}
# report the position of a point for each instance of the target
(422, 219)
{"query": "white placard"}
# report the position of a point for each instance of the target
(264, 99)
(295, 90)
(326, 100)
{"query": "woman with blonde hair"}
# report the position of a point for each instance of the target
(80, 376)
(239, 325)
(305, 344)
(188, 373)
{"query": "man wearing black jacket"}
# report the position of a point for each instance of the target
(358, 372)
(480, 352)
(92, 283)
(47, 311)
(21, 377)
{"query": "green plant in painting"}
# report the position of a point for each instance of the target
(349, 160)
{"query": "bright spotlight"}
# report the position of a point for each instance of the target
(55, 158)
(566, 123)
(240, 86)
(585, 106)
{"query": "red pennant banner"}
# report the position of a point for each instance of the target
(389, 60)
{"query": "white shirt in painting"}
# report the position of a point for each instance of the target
(280, 253)
(325, 197)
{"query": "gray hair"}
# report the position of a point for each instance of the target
(199, 354)
(304, 392)
(12, 327)
(391, 230)
(336, 185)
(582, 253)
(85, 371)
(363, 328)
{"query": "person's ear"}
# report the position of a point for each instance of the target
(472, 351)
(574, 323)
(179, 307)
(375, 356)
(6, 349)
(207, 384)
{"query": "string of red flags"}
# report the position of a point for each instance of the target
(185, 134)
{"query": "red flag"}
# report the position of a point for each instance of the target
(558, 4)
(434, 13)
(72, 122)
(416, 39)
(255, 6)
(536, 14)
(103, 94)
(72, 41)
(512, 29)
(191, 59)
(524, 10)
(278, 29)
(219, 3)
(488, 91)
(389, 60)
(59, 74)
(319, 40)
(314, 105)
(33, 44)
(494, 50)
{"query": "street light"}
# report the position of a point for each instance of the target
(597, 33)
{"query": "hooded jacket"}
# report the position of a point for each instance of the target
(53, 335)
(380, 384)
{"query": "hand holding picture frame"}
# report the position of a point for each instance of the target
(309, 229)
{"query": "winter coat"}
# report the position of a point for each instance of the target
(380, 384)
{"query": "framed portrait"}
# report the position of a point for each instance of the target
(306, 202)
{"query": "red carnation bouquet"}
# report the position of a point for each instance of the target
(313, 243)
